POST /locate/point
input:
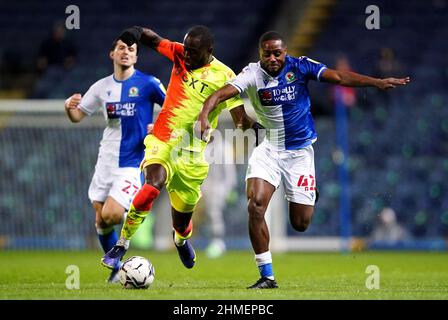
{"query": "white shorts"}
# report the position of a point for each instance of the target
(119, 183)
(295, 168)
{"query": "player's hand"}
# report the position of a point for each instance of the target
(131, 35)
(202, 128)
(73, 101)
(390, 83)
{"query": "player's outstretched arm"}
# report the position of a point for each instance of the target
(72, 110)
(210, 104)
(353, 79)
(150, 38)
(142, 35)
(240, 118)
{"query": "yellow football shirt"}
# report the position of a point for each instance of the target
(185, 97)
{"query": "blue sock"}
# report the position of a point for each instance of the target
(108, 240)
(266, 270)
(264, 263)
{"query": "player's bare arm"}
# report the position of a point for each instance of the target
(150, 38)
(71, 108)
(241, 119)
(141, 35)
(353, 79)
(210, 104)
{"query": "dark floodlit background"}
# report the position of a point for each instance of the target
(379, 155)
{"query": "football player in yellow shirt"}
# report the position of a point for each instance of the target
(174, 157)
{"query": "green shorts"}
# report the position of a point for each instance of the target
(186, 171)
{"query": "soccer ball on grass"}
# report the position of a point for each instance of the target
(136, 273)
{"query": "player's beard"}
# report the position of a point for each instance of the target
(270, 71)
(124, 67)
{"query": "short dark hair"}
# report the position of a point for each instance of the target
(271, 35)
(114, 44)
(204, 33)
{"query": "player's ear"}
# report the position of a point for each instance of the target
(111, 54)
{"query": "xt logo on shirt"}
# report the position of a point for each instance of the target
(117, 110)
(194, 83)
(279, 95)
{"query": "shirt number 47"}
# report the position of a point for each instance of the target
(307, 182)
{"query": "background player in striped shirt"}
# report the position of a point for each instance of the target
(174, 157)
(127, 100)
(277, 89)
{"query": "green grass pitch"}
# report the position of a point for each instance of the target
(404, 275)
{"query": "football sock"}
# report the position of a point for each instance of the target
(179, 238)
(123, 242)
(138, 210)
(108, 237)
(264, 264)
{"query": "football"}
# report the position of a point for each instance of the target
(136, 273)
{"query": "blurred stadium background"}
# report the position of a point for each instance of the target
(375, 150)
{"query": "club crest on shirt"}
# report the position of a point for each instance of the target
(133, 92)
(155, 149)
(204, 74)
(290, 77)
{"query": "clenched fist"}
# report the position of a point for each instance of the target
(73, 101)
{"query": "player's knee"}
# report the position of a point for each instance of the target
(155, 175)
(300, 224)
(256, 209)
(300, 216)
(100, 223)
(301, 227)
(156, 183)
(111, 218)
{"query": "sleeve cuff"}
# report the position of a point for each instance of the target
(240, 90)
(320, 72)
